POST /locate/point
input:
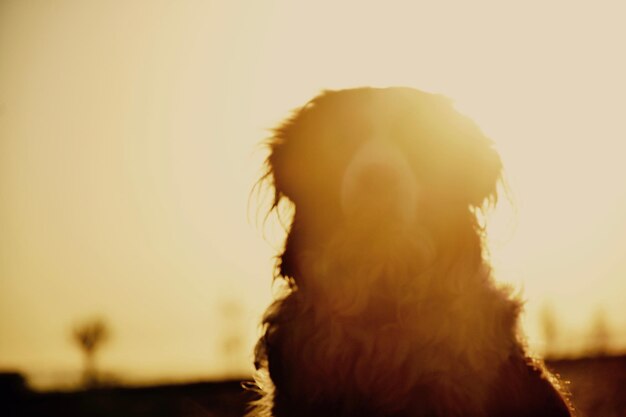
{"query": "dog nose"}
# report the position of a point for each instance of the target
(379, 181)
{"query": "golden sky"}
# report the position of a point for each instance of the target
(129, 135)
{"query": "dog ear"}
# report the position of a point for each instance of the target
(480, 174)
(289, 171)
(282, 167)
(466, 164)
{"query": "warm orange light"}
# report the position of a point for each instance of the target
(127, 154)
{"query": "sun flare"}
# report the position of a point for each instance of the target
(129, 146)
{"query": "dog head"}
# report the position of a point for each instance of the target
(380, 162)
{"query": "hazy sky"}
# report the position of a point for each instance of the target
(129, 144)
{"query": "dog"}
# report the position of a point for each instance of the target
(390, 308)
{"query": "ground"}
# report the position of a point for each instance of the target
(598, 387)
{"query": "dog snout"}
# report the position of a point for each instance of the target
(379, 181)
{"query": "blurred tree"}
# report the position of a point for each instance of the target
(232, 341)
(599, 335)
(89, 336)
(549, 328)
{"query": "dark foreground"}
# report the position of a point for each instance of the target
(598, 387)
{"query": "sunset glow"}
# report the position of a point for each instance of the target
(130, 142)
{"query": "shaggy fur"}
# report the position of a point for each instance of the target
(391, 310)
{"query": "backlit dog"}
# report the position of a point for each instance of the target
(391, 308)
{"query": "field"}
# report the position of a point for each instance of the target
(597, 385)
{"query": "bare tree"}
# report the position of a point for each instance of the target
(600, 334)
(89, 336)
(549, 328)
(232, 339)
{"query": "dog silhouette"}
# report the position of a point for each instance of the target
(391, 309)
